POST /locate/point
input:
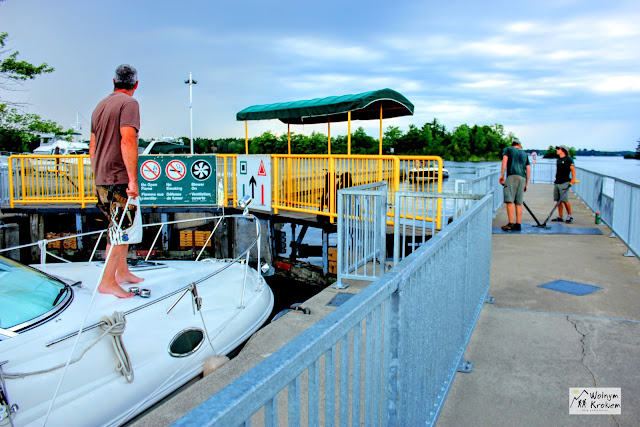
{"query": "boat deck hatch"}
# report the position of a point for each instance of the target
(570, 287)
(339, 299)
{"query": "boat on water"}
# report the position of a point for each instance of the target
(420, 173)
(50, 145)
(166, 145)
(131, 352)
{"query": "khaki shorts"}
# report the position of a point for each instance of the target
(558, 189)
(111, 201)
(514, 189)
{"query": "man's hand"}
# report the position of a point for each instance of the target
(525, 187)
(132, 189)
(501, 180)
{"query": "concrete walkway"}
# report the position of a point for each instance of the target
(528, 348)
(533, 344)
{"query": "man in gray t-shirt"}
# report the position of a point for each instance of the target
(115, 124)
(516, 163)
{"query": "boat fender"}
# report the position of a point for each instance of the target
(213, 363)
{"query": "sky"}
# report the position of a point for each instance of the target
(550, 71)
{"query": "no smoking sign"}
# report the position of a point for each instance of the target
(176, 170)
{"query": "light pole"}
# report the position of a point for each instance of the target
(191, 82)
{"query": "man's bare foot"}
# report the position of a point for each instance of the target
(128, 278)
(114, 289)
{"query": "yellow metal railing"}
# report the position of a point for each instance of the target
(301, 183)
(309, 183)
(51, 179)
(423, 174)
(226, 178)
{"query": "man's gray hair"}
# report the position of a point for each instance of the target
(126, 77)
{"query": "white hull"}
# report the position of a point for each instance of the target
(93, 392)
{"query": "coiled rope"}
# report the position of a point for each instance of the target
(114, 326)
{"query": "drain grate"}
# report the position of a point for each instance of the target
(572, 288)
(339, 299)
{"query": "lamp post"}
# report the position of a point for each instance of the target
(191, 82)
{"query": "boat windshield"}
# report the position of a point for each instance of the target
(27, 294)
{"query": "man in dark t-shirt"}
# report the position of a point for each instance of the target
(565, 177)
(515, 163)
(113, 148)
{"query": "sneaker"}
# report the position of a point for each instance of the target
(558, 219)
(569, 220)
(516, 227)
(509, 227)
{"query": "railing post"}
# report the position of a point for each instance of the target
(394, 383)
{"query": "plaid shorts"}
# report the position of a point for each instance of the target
(111, 201)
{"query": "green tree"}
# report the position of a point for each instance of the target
(638, 150)
(461, 143)
(18, 131)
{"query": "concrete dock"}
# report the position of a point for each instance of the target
(529, 347)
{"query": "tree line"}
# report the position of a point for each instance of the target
(464, 143)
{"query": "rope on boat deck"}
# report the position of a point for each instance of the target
(115, 326)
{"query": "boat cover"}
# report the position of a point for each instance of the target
(363, 106)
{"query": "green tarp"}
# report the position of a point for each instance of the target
(363, 106)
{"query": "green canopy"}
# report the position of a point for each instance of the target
(363, 106)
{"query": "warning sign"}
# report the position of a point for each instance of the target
(261, 170)
(176, 170)
(177, 180)
(254, 179)
(150, 170)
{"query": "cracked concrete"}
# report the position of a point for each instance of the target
(534, 344)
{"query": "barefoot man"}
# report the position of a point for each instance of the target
(114, 158)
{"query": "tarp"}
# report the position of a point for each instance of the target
(363, 106)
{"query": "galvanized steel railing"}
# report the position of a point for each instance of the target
(51, 179)
(386, 356)
(617, 201)
(362, 224)
(411, 225)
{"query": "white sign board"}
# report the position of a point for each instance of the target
(253, 178)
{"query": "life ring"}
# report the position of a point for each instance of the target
(534, 158)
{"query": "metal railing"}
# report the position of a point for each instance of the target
(411, 225)
(617, 201)
(51, 179)
(226, 179)
(486, 182)
(362, 232)
(386, 356)
(309, 183)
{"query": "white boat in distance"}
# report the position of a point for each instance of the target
(131, 352)
(419, 173)
(54, 145)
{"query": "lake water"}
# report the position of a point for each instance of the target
(617, 167)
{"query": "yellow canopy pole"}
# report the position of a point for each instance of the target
(349, 133)
(246, 138)
(288, 138)
(329, 135)
(380, 151)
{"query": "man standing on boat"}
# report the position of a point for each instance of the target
(113, 149)
(516, 163)
(565, 178)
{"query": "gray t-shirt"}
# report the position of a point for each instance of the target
(112, 113)
(517, 161)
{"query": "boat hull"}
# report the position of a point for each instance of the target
(92, 391)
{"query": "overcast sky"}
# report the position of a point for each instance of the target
(550, 71)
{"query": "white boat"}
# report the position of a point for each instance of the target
(53, 145)
(426, 173)
(166, 145)
(197, 310)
